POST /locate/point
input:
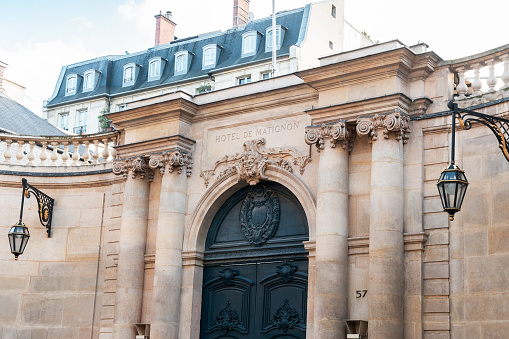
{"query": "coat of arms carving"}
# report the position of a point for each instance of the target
(259, 215)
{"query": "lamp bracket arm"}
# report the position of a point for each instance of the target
(44, 202)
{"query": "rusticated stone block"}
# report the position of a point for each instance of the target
(438, 270)
(436, 322)
(436, 287)
(436, 305)
(436, 253)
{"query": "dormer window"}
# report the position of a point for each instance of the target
(89, 80)
(210, 56)
(71, 84)
(131, 71)
(249, 43)
(182, 62)
(280, 33)
(155, 68)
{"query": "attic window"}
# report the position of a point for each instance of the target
(155, 68)
(280, 33)
(71, 84)
(249, 42)
(89, 80)
(130, 70)
(182, 61)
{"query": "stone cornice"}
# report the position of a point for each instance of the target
(393, 123)
(334, 132)
(158, 145)
(412, 241)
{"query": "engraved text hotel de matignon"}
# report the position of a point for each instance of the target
(256, 132)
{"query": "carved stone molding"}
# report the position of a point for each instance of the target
(137, 166)
(174, 160)
(250, 165)
(336, 132)
(395, 122)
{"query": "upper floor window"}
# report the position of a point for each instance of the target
(131, 71)
(81, 122)
(280, 32)
(128, 74)
(154, 68)
(244, 80)
(63, 121)
(210, 56)
(266, 75)
(249, 42)
(181, 62)
(89, 80)
(72, 81)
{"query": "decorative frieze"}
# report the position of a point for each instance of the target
(174, 160)
(336, 132)
(250, 165)
(137, 166)
(395, 122)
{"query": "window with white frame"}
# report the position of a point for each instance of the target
(88, 80)
(63, 121)
(121, 107)
(71, 85)
(280, 33)
(266, 75)
(249, 43)
(81, 122)
(209, 55)
(181, 62)
(154, 68)
(244, 80)
(128, 74)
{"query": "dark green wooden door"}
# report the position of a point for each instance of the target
(255, 274)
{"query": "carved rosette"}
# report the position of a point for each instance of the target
(174, 160)
(137, 166)
(335, 132)
(250, 165)
(396, 123)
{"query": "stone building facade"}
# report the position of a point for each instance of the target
(281, 208)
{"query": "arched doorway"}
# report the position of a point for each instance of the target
(255, 266)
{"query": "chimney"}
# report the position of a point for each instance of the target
(165, 29)
(3, 65)
(240, 12)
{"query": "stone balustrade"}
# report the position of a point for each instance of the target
(483, 77)
(91, 149)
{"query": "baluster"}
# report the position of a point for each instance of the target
(76, 154)
(86, 154)
(44, 156)
(106, 152)
(477, 83)
(96, 154)
(19, 153)
(505, 75)
(113, 151)
(31, 154)
(8, 152)
(462, 86)
(54, 154)
(492, 80)
(65, 155)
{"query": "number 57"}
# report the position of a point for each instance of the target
(360, 293)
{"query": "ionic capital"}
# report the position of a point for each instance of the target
(137, 166)
(335, 132)
(395, 123)
(174, 160)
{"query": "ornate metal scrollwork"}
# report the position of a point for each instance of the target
(227, 319)
(259, 215)
(286, 271)
(285, 317)
(499, 126)
(228, 275)
(44, 202)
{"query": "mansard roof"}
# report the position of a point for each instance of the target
(230, 42)
(15, 118)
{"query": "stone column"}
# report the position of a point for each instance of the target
(170, 235)
(331, 260)
(386, 247)
(131, 257)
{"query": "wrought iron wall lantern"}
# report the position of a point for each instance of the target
(452, 184)
(19, 234)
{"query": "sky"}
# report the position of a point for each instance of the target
(39, 37)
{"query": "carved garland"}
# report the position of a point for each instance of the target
(336, 132)
(175, 160)
(395, 122)
(250, 165)
(137, 166)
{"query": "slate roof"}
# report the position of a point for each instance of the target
(18, 119)
(111, 67)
